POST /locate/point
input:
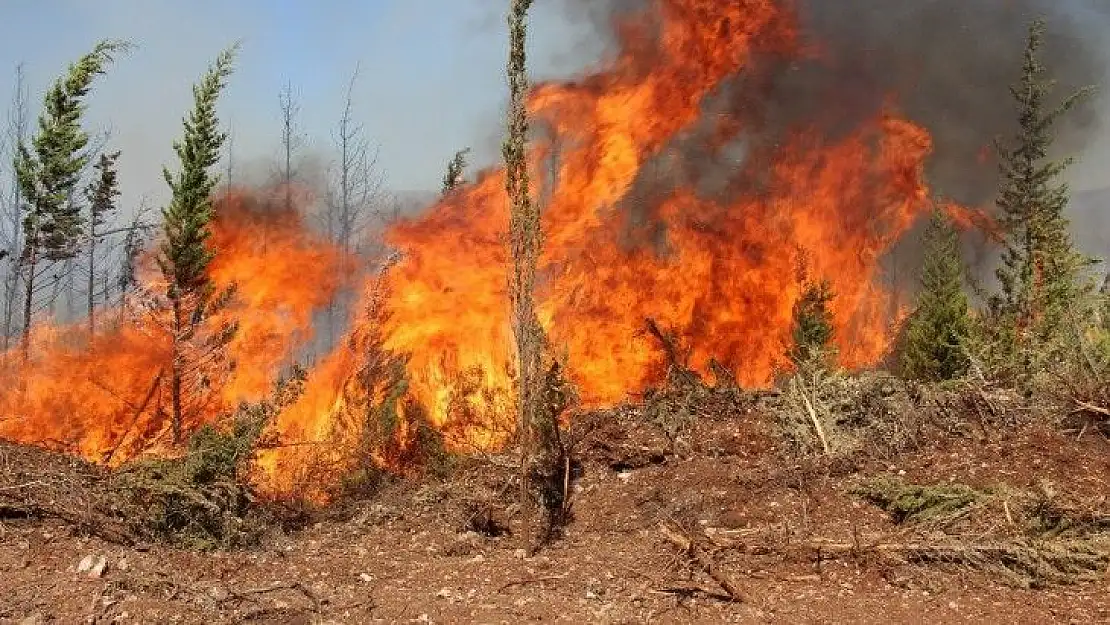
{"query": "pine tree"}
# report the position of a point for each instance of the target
(101, 195)
(936, 341)
(49, 170)
(1041, 275)
(184, 256)
(456, 167)
(813, 326)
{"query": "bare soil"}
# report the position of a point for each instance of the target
(409, 555)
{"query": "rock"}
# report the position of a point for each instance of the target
(98, 569)
(93, 565)
(36, 618)
(365, 577)
(218, 593)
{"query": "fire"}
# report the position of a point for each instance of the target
(637, 226)
(106, 397)
(720, 273)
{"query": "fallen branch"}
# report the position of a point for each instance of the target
(817, 427)
(531, 580)
(1025, 562)
(298, 586)
(102, 528)
(1082, 405)
(696, 555)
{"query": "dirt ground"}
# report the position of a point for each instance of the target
(406, 556)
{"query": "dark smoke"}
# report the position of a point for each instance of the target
(946, 64)
(949, 64)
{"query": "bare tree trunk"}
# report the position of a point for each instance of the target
(176, 372)
(289, 139)
(28, 298)
(17, 131)
(91, 284)
(230, 173)
(355, 190)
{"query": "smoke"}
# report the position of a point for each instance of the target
(945, 64)
(948, 65)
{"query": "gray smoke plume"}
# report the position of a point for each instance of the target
(945, 64)
(948, 64)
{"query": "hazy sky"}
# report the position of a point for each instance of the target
(431, 73)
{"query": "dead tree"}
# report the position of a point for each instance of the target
(11, 222)
(353, 190)
(290, 140)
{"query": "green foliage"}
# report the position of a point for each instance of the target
(915, 503)
(204, 499)
(49, 170)
(184, 255)
(813, 326)
(103, 191)
(936, 340)
(1042, 276)
(455, 170)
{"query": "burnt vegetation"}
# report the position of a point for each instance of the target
(974, 364)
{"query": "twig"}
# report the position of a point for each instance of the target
(135, 419)
(531, 580)
(1092, 408)
(812, 416)
(25, 485)
(304, 590)
(694, 554)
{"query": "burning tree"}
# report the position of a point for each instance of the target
(937, 332)
(813, 326)
(185, 255)
(48, 173)
(1042, 274)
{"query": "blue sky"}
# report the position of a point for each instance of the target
(431, 73)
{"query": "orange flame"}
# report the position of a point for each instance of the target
(106, 398)
(720, 273)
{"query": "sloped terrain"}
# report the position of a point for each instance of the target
(787, 533)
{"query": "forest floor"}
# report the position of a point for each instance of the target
(411, 554)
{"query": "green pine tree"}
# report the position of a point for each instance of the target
(1042, 275)
(936, 341)
(185, 255)
(101, 195)
(49, 170)
(456, 167)
(813, 326)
